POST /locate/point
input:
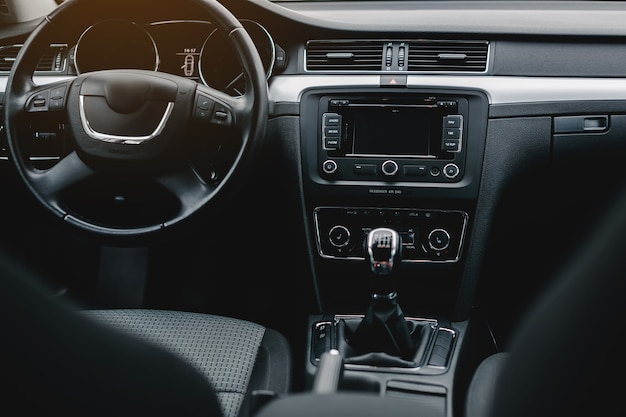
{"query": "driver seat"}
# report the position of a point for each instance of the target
(63, 360)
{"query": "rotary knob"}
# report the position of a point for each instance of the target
(439, 239)
(329, 166)
(389, 168)
(339, 236)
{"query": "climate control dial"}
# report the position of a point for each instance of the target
(339, 236)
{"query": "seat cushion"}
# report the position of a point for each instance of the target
(223, 349)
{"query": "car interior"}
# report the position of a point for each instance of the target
(270, 208)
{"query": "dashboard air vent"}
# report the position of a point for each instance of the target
(344, 55)
(7, 56)
(53, 60)
(447, 56)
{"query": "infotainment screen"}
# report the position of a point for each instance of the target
(400, 131)
(389, 126)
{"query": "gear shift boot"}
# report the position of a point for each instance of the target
(383, 329)
(362, 352)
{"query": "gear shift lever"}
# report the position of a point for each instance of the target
(383, 247)
(383, 328)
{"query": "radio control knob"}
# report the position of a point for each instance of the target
(339, 236)
(451, 171)
(389, 168)
(329, 166)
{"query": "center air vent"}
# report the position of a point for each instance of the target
(447, 56)
(404, 56)
(344, 55)
(53, 59)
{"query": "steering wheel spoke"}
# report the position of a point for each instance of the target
(188, 189)
(52, 182)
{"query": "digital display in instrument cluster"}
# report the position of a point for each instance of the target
(180, 45)
(188, 59)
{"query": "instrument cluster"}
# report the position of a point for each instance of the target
(188, 48)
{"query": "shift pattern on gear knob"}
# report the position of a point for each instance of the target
(383, 247)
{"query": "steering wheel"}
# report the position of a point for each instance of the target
(130, 169)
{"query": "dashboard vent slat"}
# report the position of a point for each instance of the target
(53, 60)
(453, 56)
(7, 57)
(344, 55)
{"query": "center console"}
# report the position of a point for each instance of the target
(408, 161)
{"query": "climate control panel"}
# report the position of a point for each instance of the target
(427, 235)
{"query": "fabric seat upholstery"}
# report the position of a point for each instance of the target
(61, 359)
(224, 349)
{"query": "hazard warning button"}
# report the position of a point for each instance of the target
(393, 80)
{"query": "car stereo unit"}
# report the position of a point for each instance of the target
(392, 138)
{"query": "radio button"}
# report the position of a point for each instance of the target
(329, 166)
(451, 133)
(364, 169)
(451, 145)
(331, 131)
(389, 168)
(331, 144)
(415, 170)
(331, 119)
(452, 121)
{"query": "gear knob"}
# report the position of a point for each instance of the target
(383, 247)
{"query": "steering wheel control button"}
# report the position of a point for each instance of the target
(339, 236)
(57, 97)
(451, 171)
(221, 115)
(439, 239)
(329, 167)
(39, 101)
(204, 107)
(389, 168)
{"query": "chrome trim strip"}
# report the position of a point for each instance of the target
(499, 89)
(126, 140)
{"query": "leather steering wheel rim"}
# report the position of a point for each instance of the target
(106, 154)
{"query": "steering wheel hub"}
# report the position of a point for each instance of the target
(112, 112)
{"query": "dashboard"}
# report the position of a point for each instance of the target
(469, 126)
